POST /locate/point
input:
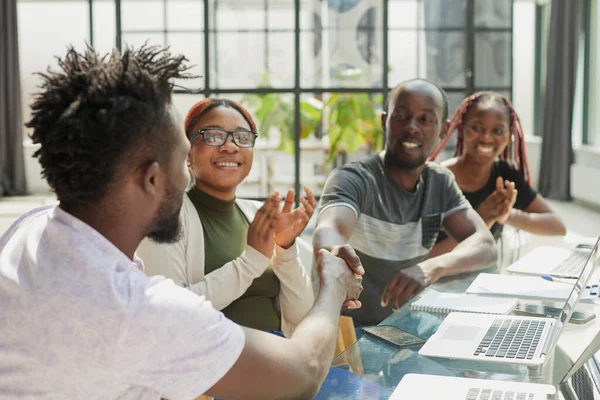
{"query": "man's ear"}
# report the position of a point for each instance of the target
(444, 131)
(152, 180)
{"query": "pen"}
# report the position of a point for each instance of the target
(562, 280)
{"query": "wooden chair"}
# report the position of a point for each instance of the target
(346, 334)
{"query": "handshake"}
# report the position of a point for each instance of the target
(340, 270)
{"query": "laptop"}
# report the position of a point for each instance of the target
(417, 386)
(505, 338)
(553, 261)
(420, 386)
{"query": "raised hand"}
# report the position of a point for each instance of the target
(261, 231)
(291, 223)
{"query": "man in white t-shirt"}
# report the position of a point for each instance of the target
(78, 317)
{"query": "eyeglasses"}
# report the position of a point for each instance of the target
(218, 137)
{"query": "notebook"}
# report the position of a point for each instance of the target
(444, 303)
(519, 286)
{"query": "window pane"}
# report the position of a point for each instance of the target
(494, 13)
(39, 43)
(233, 15)
(185, 14)
(142, 15)
(137, 40)
(403, 14)
(493, 55)
(104, 25)
(237, 59)
(403, 56)
(444, 13)
(184, 102)
(446, 58)
(281, 15)
(191, 45)
(281, 59)
(347, 48)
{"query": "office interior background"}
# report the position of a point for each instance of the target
(314, 74)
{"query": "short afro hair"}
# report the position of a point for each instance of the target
(438, 87)
(97, 114)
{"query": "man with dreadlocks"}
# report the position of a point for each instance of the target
(390, 207)
(490, 166)
(79, 319)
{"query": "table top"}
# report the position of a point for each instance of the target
(371, 368)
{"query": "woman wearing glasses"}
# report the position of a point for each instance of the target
(240, 254)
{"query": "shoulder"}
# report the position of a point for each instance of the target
(437, 172)
(367, 168)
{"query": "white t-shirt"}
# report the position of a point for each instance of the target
(80, 320)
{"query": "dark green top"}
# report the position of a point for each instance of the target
(225, 232)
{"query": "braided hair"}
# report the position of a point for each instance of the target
(516, 153)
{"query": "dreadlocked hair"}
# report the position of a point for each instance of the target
(516, 153)
(97, 114)
(205, 105)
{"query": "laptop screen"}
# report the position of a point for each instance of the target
(578, 289)
(592, 263)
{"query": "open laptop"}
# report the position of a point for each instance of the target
(554, 261)
(417, 386)
(503, 338)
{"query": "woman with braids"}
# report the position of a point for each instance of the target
(241, 256)
(491, 168)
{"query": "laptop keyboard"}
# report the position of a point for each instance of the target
(573, 264)
(511, 338)
(489, 394)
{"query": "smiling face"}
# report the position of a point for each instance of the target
(218, 170)
(414, 124)
(486, 131)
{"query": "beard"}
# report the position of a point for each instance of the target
(166, 227)
(391, 160)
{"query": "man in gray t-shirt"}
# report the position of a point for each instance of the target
(390, 207)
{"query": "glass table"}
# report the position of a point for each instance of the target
(371, 369)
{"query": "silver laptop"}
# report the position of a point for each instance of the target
(430, 387)
(506, 339)
(553, 261)
(419, 386)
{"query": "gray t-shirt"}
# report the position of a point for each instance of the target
(395, 229)
(80, 320)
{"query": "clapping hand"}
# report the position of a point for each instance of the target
(497, 206)
(291, 223)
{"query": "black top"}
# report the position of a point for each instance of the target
(525, 195)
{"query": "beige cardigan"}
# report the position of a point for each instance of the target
(183, 262)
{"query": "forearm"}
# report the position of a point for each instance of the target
(296, 295)
(476, 252)
(443, 247)
(317, 333)
(295, 367)
(327, 237)
(540, 224)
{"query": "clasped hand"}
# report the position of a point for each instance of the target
(497, 206)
